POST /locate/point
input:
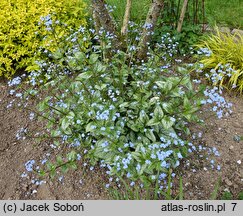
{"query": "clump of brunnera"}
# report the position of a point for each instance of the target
(130, 117)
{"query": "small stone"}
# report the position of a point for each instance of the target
(228, 182)
(224, 30)
(239, 161)
(237, 31)
(25, 187)
(231, 147)
(226, 190)
(34, 191)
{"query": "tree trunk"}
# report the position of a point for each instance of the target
(102, 16)
(104, 20)
(148, 28)
(183, 12)
(126, 18)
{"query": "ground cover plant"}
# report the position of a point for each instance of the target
(105, 105)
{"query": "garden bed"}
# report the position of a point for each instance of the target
(199, 179)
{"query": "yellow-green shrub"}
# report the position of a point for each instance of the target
(20, 34)
(223, 57)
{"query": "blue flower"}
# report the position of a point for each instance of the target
(148, 162)
(179, 155)
(164, 164)
(29, 165)
(129, 175)
(132, 183)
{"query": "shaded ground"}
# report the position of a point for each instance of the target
(199, 178)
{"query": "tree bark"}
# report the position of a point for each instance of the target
(151, 20)
(182, 16)
(103, 17)
(126, 18)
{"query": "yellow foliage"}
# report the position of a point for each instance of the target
(226, 49)
(20, 32)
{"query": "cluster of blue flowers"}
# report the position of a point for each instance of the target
(169, 46)
(204, 51)
(29, 165)
(220, 105)
(222, 72)
(21, 134)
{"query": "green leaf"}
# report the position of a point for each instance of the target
(65, 123)
(70, 115)
(145, 181)
(182, 70)
(161, 84)
(73, 165)
(64, 168)
(143, 117)
(153, 122)
(158, 113)
(58, 54)
(153, 100)
(186, 103)
(164, 85)
(93, 58)
(41, 106)
(80, 56)
(150, 135)
(72, 156)
(101, 87)
(136, 156)
(141, 171)
(132, 136)
(168, 107)
(42, 173)
(106, 156)
(167, 122)
(133, 126)
(34, 67)
(84, 76)
(90, 127)
(99, 67)
(59, 160)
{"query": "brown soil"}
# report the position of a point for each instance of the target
(199, 179)
(222, 134)
(15, 153)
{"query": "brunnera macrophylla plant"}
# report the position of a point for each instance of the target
(130, 118)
